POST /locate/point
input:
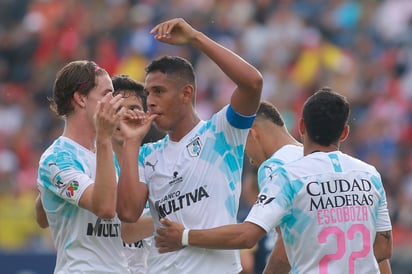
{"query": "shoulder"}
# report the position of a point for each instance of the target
(355, 163)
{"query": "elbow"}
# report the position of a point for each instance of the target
(256, 83)
(245, 241)
(127, 216)
(249, 243)
(385, 255)
(42, 223)
(250, 235)
(105, 213)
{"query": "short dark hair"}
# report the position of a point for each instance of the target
(127, 86)
(174, 66)
(325, 115)
(75, 76)
(268, 111)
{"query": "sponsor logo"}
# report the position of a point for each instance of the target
(136, 245)
(264, 200)
(194, 147)
(176, 201)
(106, 229)
(339, 193)
(176, 179)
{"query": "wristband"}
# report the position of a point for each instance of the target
(185, 237)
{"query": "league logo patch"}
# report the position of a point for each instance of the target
(72, 188)
(194, 147)
(54, 170)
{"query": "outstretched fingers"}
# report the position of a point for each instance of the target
(169, 237)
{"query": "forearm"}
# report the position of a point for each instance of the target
(247, 78)
(133, 232)
(278, 262)
(132, 194)
(41, 217)
(385, 267)
(382, 247)
(224, 237)
(104, 190)
(236, 236)
(234, 66)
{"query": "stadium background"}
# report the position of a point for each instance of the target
(363, 49)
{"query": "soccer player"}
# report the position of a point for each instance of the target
(77, 176)
(269, 139)
(137, 236)
(268, 146)
(193, 175)
(331, 207)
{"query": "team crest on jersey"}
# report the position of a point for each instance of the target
(72, 188)
(194, 147)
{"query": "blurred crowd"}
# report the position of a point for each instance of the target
(362, 49)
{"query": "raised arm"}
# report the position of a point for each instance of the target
(248, 79)
(100, 197)
(131, 193)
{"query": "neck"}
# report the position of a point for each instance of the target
(81, 133)
(281, 138)
(183, 128)
(318, 148)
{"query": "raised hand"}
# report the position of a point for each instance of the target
(169, 238)
(175, 31)
(135, 124)
(106, 115)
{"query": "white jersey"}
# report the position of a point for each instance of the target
(138, 252)
(329, 207)
(84, 242)
(286, 154)
(197, 182)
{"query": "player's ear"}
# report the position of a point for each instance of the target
(188, 93)
(79, 99)
(302, 127)
(344, 133)
(253, 132)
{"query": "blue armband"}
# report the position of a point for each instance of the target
(238, 120)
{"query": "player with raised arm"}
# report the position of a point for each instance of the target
(137, 237)
(193, 175)
(77, 176)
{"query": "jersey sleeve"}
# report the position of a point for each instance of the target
(140, 163)
(64, 176)
(273, 203)
(383, 222)
(238, 120)
(266, 169)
